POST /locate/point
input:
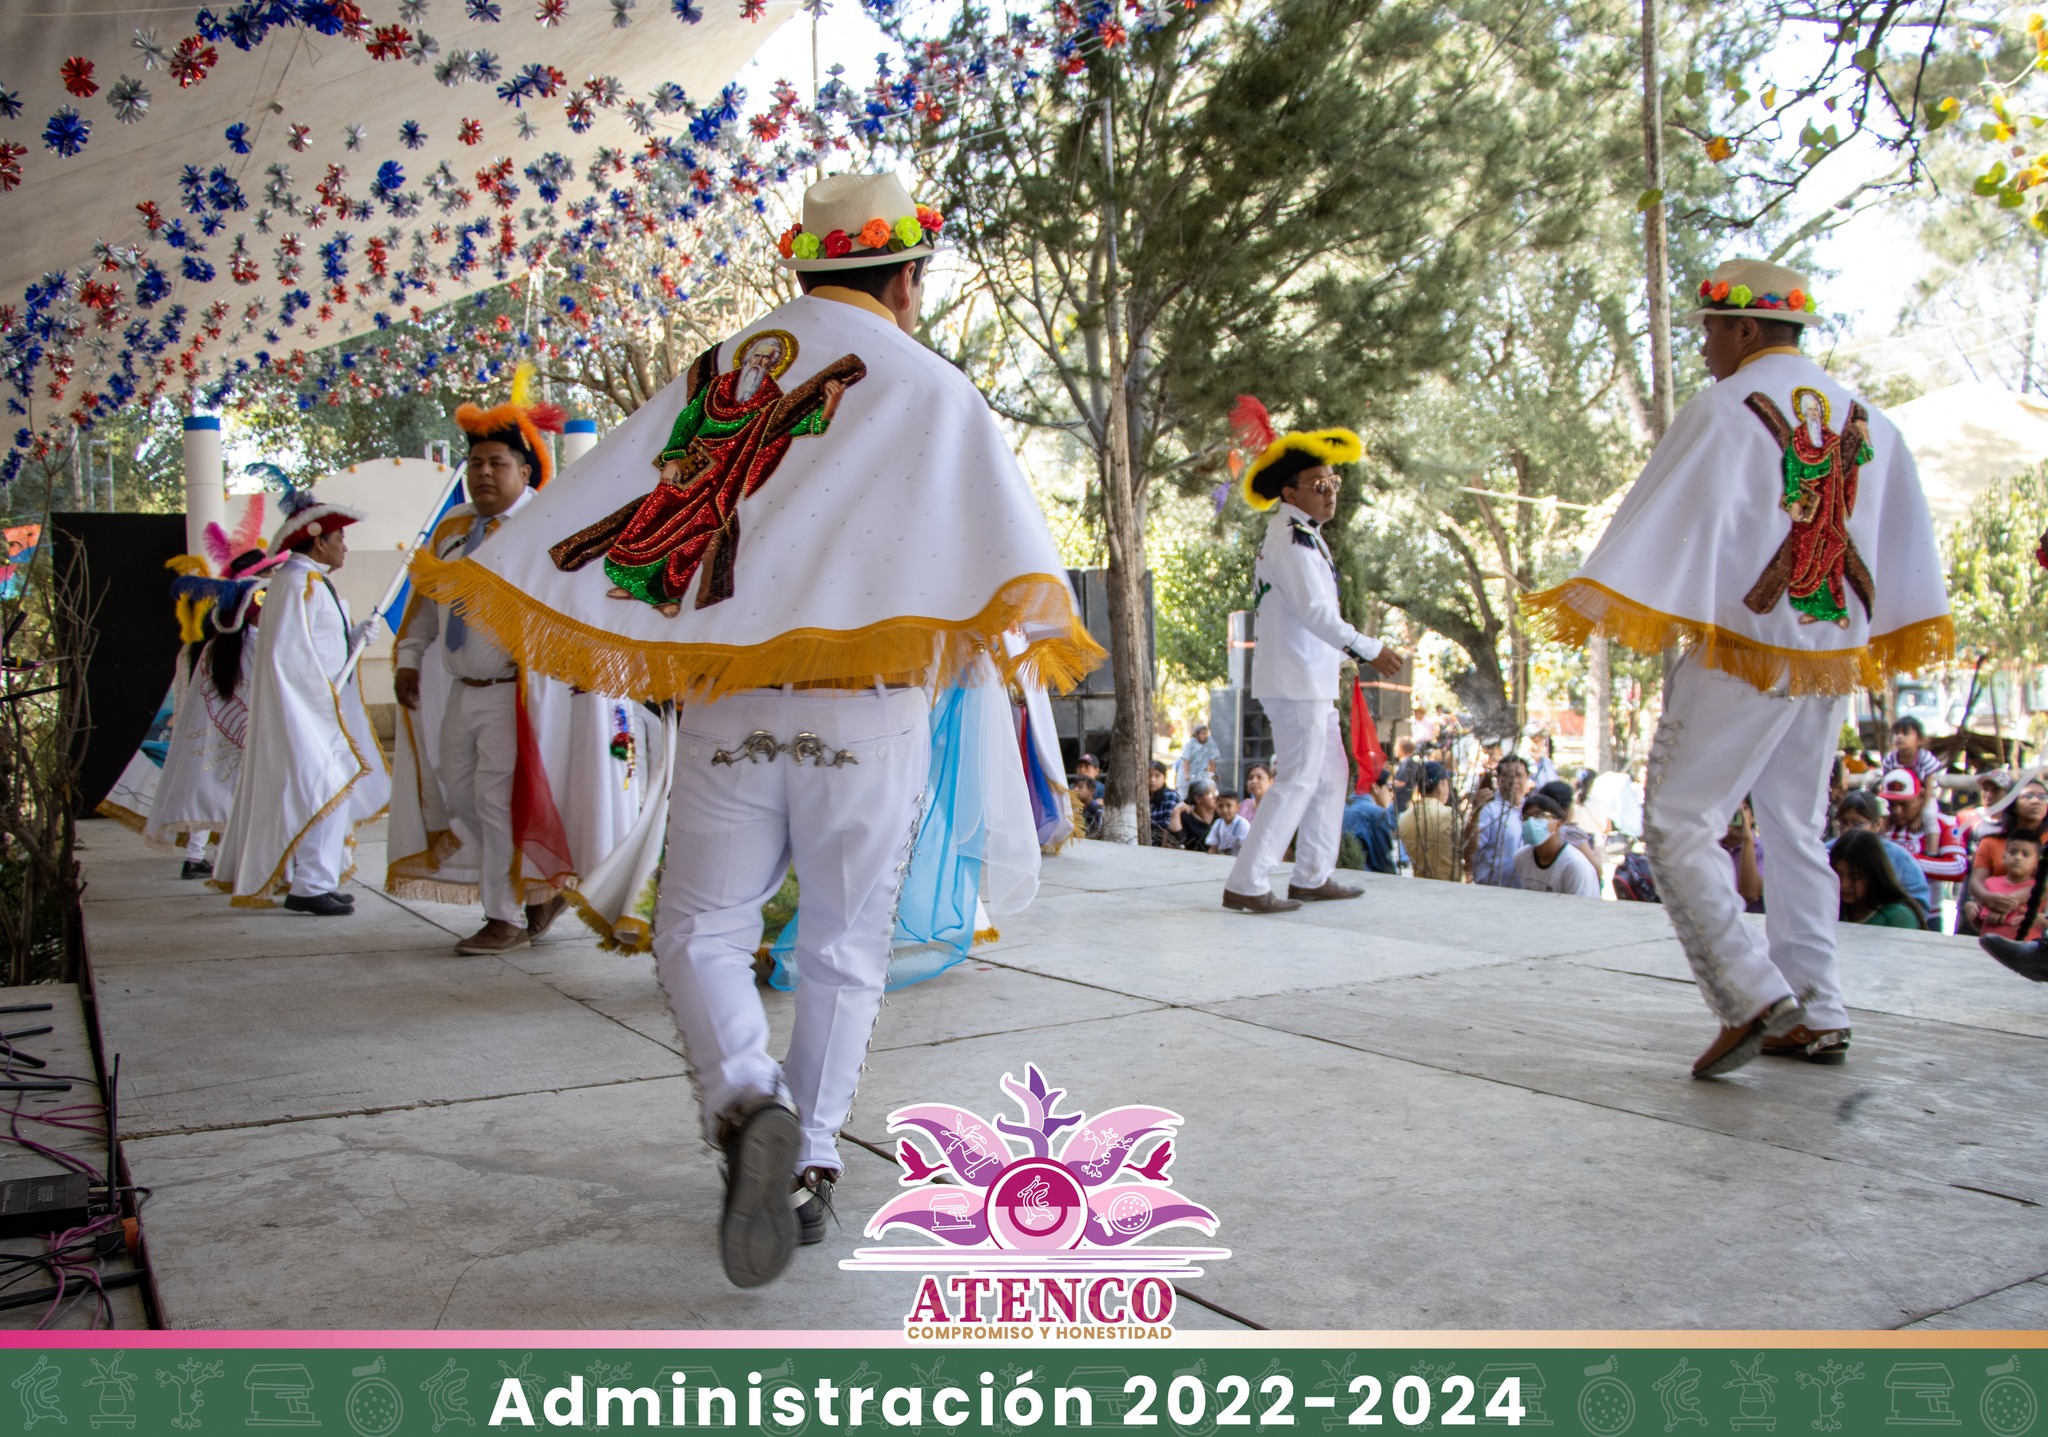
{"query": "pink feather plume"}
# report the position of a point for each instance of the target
(1251, 424)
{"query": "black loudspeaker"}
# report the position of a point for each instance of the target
(120, 558)
(1091, 592)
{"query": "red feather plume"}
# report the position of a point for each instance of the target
(549, 417)
(1251, 425)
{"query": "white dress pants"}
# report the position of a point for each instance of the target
(321, 854)
(195, 844)
(1720, 739)
(1305, 803)
(479, 750)
(737, 822)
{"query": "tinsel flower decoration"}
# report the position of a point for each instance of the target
(621, 14)
(154, 56)
(485, 11)
(191, 60)
(753, 9)
(67, 132)
(412, 11)
(527, 129)
(686, 11)
(238, 138)
(299, 136)
(76, 73)
(422, 48)
(10, 164)
(472, 131)
(411, 135)
(639, 117)
(129, 99)
(549, 13)
(10, 104)
(352, 137)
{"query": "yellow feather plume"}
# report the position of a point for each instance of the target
(522, 384)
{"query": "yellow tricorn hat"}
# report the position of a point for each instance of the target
(1282, 456)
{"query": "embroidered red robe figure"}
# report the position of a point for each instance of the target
(1817, 565)
(725, 445)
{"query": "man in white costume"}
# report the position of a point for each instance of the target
(1302, 642)
(817, 523)
(1780, 533)
(477, 748)
(311, 770)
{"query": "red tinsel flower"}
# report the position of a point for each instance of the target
(191, 60)
(76, 73)
(753, 9)
(550, 12)
(389, 42)
(152, 217)
(765, 127)
(10, 164)
(471, 132)
(1112, 34)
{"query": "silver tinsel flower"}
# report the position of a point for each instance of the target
(352, 137)
(484, 66)
(527, 129)
(453, 70)
(129, 99)
(154, 55)
(412, 11)
(422, 48)
(816, 7)
(605, 89)
(639, 117)
(621, 14)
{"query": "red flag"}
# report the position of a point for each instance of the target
(537, 830)
(1365, 740)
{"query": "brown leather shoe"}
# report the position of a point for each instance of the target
(1259, 902)
(1816, 1045)
(495, 936)
(541, 916)
(1327, 891)
(1736, 1047)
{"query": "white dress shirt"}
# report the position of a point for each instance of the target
(1302, 637)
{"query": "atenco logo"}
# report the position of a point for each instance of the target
(1040, 1221)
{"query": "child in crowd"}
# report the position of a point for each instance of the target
(2022, 857)
(1227, 834)
(1870, 893)
(1910, 752)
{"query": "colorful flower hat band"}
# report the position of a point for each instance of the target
(877, 236)
(1720, 294)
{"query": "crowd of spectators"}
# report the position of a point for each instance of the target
(1906, 852)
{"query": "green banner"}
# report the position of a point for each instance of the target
(1185, 1388)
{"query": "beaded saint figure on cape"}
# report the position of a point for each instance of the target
(725, 445)
(1818, 558)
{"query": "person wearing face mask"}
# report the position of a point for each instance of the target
(1303, 640)
(1546, 863)
(1780, 536)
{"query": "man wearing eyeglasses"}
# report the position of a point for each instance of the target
(1302, 643)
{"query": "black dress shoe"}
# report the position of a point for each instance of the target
(757, 1235)
(199, 869)
(320, 905)
(2029, 960)
(812, 1199)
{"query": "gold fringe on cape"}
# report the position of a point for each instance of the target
(1580, 609)
(633, 935)
(603, 662)
(126, 817)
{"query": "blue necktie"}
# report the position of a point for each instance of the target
(457, 631)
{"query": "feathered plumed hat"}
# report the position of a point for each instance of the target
(305, 517)
(238, 557)
(517, 423)
(1280, 457)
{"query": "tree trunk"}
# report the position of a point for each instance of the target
(1126, 809)
(1599, 692)
(1656, 259)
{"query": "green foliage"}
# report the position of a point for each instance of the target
(1998, 591)
(1198, 578)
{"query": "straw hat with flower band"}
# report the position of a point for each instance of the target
(853, 221)
(1758, 289)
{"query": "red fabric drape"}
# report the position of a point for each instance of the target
(1365, 739)
(537, 830)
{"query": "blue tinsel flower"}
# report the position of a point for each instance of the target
(686, 12)
(411, 135)
(238, 138)
(67, 132)
(485, 10)
(196, 269)
(10, 103)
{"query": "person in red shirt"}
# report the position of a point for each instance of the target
(1923, 830)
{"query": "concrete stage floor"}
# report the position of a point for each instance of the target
(1434, 1108)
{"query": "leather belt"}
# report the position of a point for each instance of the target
(489, 683)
